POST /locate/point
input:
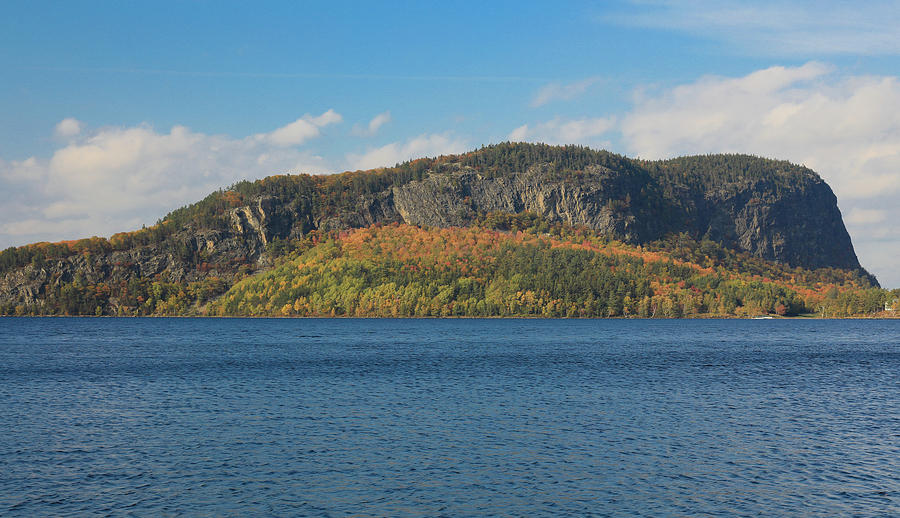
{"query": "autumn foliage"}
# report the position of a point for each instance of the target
(519, 265)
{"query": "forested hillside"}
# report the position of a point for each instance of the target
(521, 265)
(761, 215)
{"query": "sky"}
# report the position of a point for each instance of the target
(114, 113)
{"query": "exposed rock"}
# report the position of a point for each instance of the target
(801, 226)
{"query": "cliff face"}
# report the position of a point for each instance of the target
(225, 251)
(619, 204)
(799, 225)
(772, 210)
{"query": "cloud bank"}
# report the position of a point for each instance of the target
(846, 128)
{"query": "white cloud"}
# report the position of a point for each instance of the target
(302, 129)
(115, 179)
(329, 117)
(294, 133)
(777, 27)
(374, 125)
(396, 152)
(68, 127)
(559, 91)
(565, 131)
(378, 121)
(519, 134)
(846, 128)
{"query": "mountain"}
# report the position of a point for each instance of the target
(765, 209)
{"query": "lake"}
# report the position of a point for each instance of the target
(336, 417)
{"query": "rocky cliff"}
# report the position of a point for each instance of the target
(770, 209)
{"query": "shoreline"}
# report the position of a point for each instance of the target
(498, 317)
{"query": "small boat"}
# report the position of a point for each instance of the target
(763, 318)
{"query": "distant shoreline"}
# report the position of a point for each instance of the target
(519, 317)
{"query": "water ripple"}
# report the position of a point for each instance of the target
(193, 417)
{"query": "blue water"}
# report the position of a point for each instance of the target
(234, 417)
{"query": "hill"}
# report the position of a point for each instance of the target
(521, 265)
(754, 208)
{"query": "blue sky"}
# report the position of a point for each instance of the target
(113, 113)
